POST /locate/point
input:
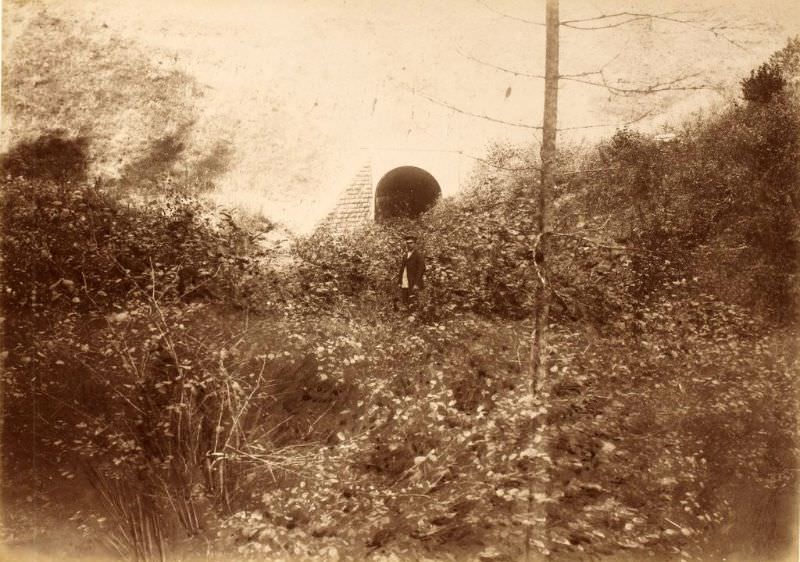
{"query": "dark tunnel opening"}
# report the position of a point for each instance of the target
(405, 192)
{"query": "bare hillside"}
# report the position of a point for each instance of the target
(271, 101)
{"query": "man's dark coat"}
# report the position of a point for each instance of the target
(416, 270)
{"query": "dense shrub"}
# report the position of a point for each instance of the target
(763, 84)
(643, 442)
(91, 288)
(74, 246)
(343, 436)
(718, 202)
(480, 249)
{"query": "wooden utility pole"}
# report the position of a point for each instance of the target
(538, 350)
(545, 198)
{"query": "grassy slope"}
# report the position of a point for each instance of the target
(83, 80)
(76, 67)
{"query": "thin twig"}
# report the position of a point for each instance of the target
(658, 87)
(471, 113)
(500, 167)
(665, 16)
(637, 16)
(498, 67)
(617, 125)
(508, 16)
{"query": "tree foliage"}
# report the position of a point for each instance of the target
(763, 83)
(719, 201)
(76, 246)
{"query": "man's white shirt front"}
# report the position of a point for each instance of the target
(404, 284)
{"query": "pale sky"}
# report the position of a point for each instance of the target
(299, 87)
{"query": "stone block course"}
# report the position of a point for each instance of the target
(354, 205)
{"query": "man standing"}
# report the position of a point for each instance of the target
(412, 272)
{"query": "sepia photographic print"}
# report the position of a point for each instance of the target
(400, 280)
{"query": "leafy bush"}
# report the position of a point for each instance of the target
(350, 435)
(92, 284)
(718, 202)
(763, 84)
(438, 448)
(480, 250)
(79, 247)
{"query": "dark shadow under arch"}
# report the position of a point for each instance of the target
(406, 192)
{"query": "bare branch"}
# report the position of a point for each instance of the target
(498, 166)
(601, 69)
(714, 30)
(508, 16)
(472, 114)
(672, 85)
(631, 17)
(498, 67)
(617, 125)
(580, 74)
(515, 72)
(609, 26)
